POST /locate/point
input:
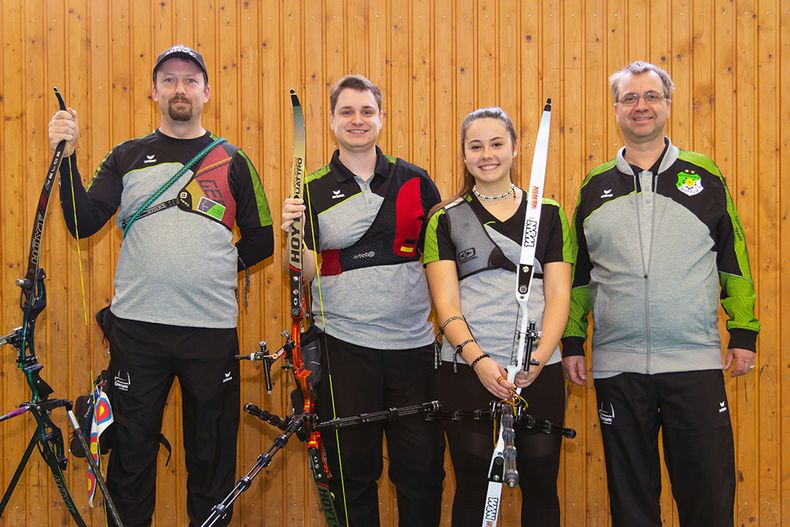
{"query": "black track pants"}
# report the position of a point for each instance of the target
(692, 412)
(368, 380)
(472, 444)
(145, 358)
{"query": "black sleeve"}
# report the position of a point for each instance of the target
(255, 244)
(553, 232)
(445, 248)
(578, 320)
(582, 269)
(252, 213)
(92, 211)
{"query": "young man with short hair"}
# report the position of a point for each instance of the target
(365, 214)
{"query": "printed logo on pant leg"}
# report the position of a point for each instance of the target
(606, 417)
(722, 406)
(228, 377)
(121, 382)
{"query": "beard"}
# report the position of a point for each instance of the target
(179, 115)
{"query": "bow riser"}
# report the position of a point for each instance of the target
(33, 297)
(295, 241)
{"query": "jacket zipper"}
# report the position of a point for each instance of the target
(645, 260)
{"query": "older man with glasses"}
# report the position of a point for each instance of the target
(659, 244)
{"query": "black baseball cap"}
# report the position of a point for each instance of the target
(181, 51)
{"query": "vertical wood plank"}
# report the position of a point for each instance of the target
(421, 87)
(783, 291)
(607, 44)
(357, 35)
(465, 63)
(274, 163)
(5, 229)
(680, 69)
(702, 100)
(724, 90)
(552, 77)
(485, 37)
(250, 444)
(16, 230)
(638, 28)
(765, 257)
(531, 87)
(743, 186)
(446, 171)
(563, 187)
(379, 57)
(659, 52)
(301, 498)
(399, 96)
(316, 107)
(508, 66)
(726, 138)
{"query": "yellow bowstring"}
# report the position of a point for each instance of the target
(328, 368)
(85, 319)
(515, 401)
(79, 252)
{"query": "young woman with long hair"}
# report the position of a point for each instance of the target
(472, 248)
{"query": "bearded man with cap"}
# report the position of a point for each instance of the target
(175, 307)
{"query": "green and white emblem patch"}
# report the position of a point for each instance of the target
(689, 183)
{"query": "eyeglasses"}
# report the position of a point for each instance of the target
(631, 99)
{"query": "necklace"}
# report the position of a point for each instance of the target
(511, 190)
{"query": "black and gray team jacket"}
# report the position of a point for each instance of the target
(654, 247)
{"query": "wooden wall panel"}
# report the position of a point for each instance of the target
(587, 450)
(435, 61)
(782, 292)
(16, 229)
(767, 177)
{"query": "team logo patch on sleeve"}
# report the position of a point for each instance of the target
(689, 183)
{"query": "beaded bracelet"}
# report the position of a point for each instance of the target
(478, 359)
